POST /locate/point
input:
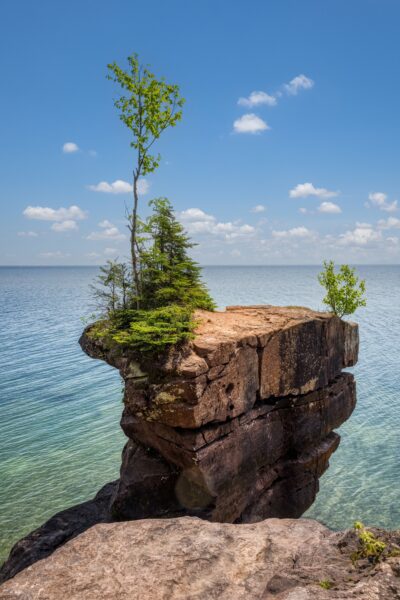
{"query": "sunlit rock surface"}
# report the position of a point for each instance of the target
(189, 558)
(241, 419)
(235, 427)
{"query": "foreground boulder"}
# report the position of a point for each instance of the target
(191, 559)
(240, 421)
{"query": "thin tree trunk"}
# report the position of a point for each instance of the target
(133, 239)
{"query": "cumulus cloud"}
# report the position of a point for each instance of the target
(259, 208)
(303, 190)
(108, 232)
(379, 199)
(249, 123)
(105, 223)
(61, 226)
(301, 82)
(70, 148)
(27, 234)
(56, 254)
(110, 251)
(119, 187)
(143, 187)
(362, 235)
(389, 223)
(191, 215)
(257, 99)
(329, 207)
(295, 232)
(44, 213)
(196, 221)
(303, 210)
(116, 187)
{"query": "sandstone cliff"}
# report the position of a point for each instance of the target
(236, 427)
(192, 559)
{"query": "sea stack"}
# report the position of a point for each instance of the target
(238, 425)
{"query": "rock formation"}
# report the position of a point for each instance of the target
(193, 559)
(238, 425)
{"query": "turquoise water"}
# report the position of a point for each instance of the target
(59, 410)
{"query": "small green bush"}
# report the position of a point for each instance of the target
(151, 331)
(369, 545)
(325, 584)
(344, 291)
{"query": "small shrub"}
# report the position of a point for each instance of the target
(151, 331)
(344, 291)
(369, 546)
(325, 584)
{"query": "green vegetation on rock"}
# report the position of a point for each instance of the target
(148, 304)
(344, 291)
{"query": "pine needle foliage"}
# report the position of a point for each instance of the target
(170, 283)
(344, 290)
(168, 274)
(151, 331)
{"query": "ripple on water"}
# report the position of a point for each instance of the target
(59, 410)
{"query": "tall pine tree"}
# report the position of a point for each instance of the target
(168, 274)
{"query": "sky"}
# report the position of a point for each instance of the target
(288, 148)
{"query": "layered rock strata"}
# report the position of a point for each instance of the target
(192, 559)
(237, 426)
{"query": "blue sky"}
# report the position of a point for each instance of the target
(305, 170)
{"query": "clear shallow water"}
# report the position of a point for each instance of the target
(60, 439)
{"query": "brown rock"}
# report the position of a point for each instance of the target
(273, 351)
(182, 559)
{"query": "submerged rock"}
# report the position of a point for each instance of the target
(189, 558)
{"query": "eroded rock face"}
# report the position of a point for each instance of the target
(243, 416)
(236, 427)
(188, 558)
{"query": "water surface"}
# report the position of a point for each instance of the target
(60, 439)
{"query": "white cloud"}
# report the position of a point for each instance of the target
(259, 208)
(44, 213)
(249, 123)
(303, 190)
(257, 99)
(105, 224)
(329, 207)
(301, 82)
(362, 235)
(143, 187)
(193, 215)
(67, 225)
(389, 223)
(196, 221)
(93, 255)
(393, 240)
(27, 234)
(110, 251)
(379, 199)
(70, 148)
(295, 232)
(56, 254)
(120, 187)
(108, 232)
(116, 187)
(303, 210)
